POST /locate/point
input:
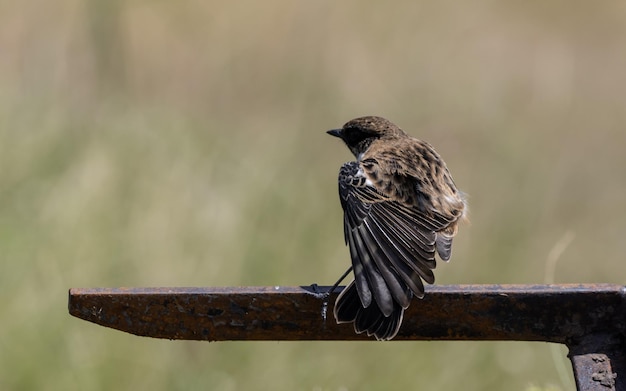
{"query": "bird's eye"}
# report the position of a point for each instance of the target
(354, 136)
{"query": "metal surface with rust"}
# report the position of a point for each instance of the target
(551, 313)
(597, 359)
(588, 318)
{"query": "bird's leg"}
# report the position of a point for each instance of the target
(324, 296)
(339, 281)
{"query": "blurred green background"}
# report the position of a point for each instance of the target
(153, 143)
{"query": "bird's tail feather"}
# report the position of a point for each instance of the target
(348, 309)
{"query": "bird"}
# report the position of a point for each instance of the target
(401, 206)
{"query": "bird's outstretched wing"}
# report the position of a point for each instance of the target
(392, 245)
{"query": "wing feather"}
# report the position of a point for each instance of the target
(362, 285)
(376, 281)
(395, 283)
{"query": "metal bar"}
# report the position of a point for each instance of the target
(551, 313)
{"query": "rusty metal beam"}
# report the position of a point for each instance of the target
(589, 318)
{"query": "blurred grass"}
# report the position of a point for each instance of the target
(158, 144)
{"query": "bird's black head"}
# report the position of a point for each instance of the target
(359, 133)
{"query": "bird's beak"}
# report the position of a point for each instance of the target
(336, 132)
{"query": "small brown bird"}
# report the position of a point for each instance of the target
(400, 207)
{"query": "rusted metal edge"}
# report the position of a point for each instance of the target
(597, 359)
(553, 313)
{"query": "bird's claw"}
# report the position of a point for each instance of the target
(319, 295)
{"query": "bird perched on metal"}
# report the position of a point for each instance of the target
(400, 207)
